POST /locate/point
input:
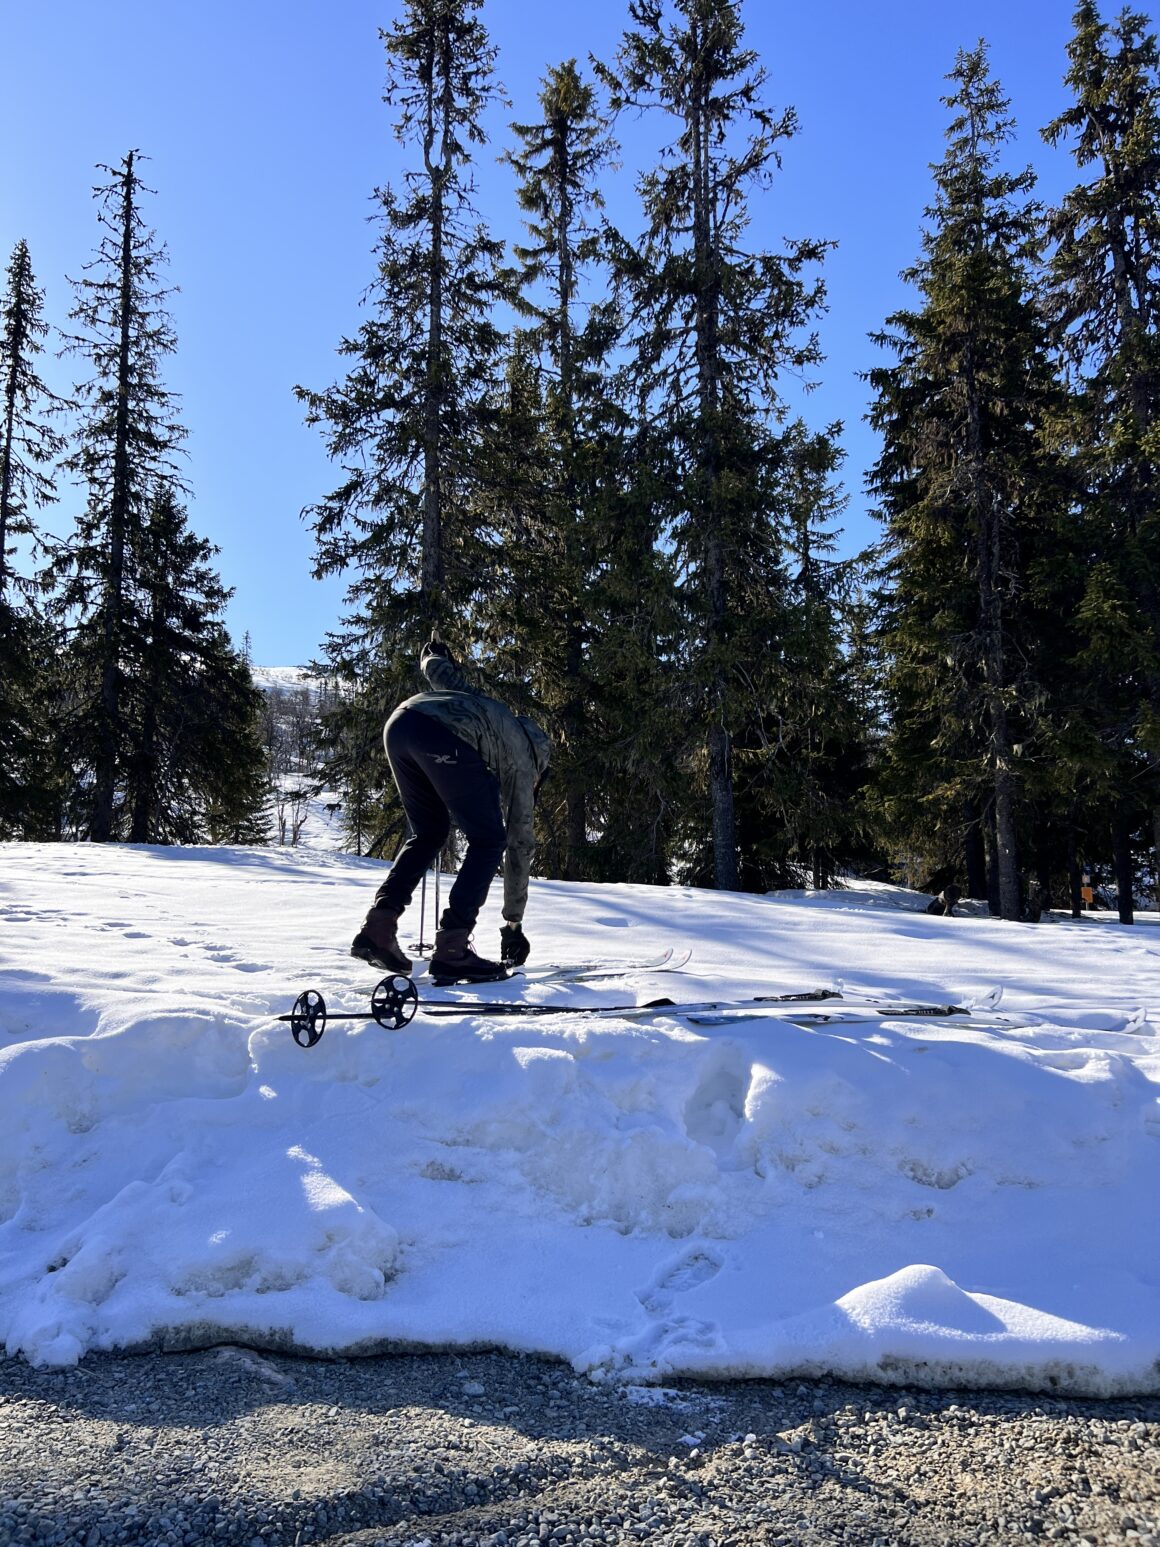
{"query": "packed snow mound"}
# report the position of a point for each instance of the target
(969, 1199)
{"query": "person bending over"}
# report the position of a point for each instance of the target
(458, 755)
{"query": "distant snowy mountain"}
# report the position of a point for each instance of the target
(305, 813)
(287, 678)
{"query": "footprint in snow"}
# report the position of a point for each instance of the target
(666, 1345)
(689, 1270)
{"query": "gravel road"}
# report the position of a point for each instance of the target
(231, 1446)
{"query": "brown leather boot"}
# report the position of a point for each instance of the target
(377, 942)
(453, 960)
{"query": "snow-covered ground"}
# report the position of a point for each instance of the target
(975, 1199)
(300, 817)
(286, 679)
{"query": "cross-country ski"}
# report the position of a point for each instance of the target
(396, 1000)
(668, 960)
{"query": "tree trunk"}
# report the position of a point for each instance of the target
(16, 345)
(1122, 862)
(724, 816)
(1156, 857)
(432, 572)
(974, 854)
(575, 868)
(105, 772)
(145, 800)
(1043, 869)
(1006, 848)
(1074, 876)
(576, 794)
(573, 717)
(992, 863)
(989, 522)
(1007, 855)
(140, 830)
(708, 355)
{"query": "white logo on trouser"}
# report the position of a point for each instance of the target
(443, 757)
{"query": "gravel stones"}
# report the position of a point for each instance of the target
(233, 1447)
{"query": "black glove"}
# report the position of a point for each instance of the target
(514, 945)
(436, 647)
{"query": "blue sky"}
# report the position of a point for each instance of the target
(266, 131)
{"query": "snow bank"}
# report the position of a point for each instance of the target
(971, 1200)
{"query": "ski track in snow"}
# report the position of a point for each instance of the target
(971, 1201)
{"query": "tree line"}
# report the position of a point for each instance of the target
(577, 458)
(125, 710)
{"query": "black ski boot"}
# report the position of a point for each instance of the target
(377, 942)
(453, 960)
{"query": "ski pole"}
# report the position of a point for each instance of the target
(423, 913)
(438, 857)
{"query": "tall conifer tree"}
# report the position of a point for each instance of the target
(407, 421)
(809, 810)
(714, 322)
(128, 441)
(1104, 297)
(160, 726)
(556, 548)
(29, 444)
(194, 763)
(644, 738)
(967, 487)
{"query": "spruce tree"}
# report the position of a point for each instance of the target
(1104, 299)
(810, 818)
(714, 323)
(128, 441)
(559, 167)
(29, 782)
(967, 487)
(159, 721)
(640, 740)
(635, 744)
(406, 421)
(29, 443)
(194, 765)
(555, 543)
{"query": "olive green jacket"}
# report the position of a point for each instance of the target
(514, 748)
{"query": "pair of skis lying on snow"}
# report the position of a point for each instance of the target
(395, 1001)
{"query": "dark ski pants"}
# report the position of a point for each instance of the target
(440, 779)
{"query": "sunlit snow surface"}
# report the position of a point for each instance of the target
(973, 1201)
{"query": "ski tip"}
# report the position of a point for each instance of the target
(987, 1001)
